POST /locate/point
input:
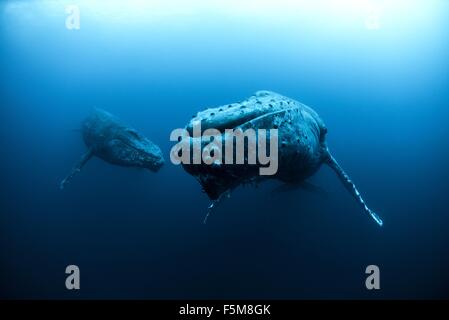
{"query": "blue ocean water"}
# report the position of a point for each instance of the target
(377, 72)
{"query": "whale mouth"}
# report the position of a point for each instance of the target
(222, 119)
(238, 114)
(145, 154)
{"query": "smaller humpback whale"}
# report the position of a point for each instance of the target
(112, 141)
(303, 147)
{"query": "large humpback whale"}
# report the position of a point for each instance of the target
(109, 139)
(302, 144)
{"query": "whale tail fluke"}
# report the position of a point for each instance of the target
(350, 186)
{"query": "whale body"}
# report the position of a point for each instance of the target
(107, 138)
(302, 147)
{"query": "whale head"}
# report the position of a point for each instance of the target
(130, 148)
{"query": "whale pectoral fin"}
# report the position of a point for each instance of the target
(77, 168)
(350, 186)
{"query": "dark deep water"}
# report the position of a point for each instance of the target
(382, 92)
